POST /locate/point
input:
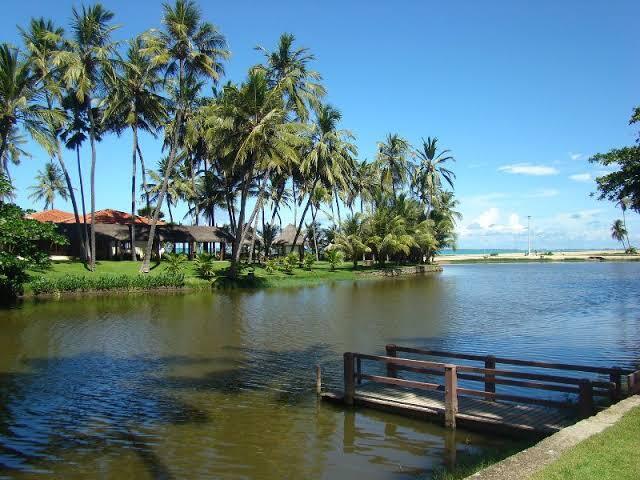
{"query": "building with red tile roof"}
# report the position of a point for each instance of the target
(106, 216)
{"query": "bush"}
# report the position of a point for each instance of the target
(271, 265)
(631, 251)
(289, 263)
(309, 260)
(175, 263)
(101, 282)
(334, 257)
(204, 265)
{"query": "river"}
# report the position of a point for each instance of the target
(221, 384)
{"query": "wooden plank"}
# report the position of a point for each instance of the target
(450, 396)
(400, 361)
(400, 382)
(516, 398)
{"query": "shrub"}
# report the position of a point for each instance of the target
(631, 251)
(271, 265)
(175, 263)
(289, 263)
(100, 282)
(204, 266)
(334, 257)
(309, 260)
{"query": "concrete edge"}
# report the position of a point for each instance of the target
(527, 462)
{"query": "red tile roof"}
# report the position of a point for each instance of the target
(109, 216)
(52, 215)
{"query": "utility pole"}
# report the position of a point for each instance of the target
(529, 235)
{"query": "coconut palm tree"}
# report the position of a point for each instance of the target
(20, 106)
(248, 127)
(351, 239)
(393, 162)
(49, 184)
(42, 39)
(624, 203)
(186, 47)
(133, 101)
(14, 152)
(431, 171)
(619, 232)
(82, 63)
(329, 160)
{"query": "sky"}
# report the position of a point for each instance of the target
(522, 93)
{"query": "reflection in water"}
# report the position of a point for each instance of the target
(221, 385)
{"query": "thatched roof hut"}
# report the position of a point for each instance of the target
(285, 238)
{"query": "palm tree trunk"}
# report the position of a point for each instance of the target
(84, 208)
(92, 140)
(295, 201)
(144, 176)
(196, 210)
(170, 213)
(146, 263)
(304, 213)
(133, 192)
(67, 177)
(624, 222)
(3, 145)
(314, 212)
(335, 191)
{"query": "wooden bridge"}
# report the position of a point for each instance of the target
(478, 409)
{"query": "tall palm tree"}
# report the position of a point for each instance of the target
(82, 63)
(249, 128)
(393, 162)
(133, 101)
(329, 160)
(42, 39)
(431, 171)
(619, 232)
(624, 203)
(49, 184)
(186, 47)
(209, 195)
(20, 107)
(14, 152)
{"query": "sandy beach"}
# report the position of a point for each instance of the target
(584, 255)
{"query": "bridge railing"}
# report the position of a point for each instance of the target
(613, 387)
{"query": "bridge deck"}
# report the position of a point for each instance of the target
(472, 412)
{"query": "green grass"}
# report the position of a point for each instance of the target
(469, 463)
(320, 273)
(609, 455)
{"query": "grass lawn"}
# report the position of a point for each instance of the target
(613, 454)
(319, 273)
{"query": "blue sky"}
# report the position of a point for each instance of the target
(521, 92)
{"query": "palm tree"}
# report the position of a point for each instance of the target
(42, 39)
(393, 162)
(624, 203)
(49, 183)
(187, 47)
(20, 95)
(133, 101)
(82, 62)
(178, 186)
(268, 233)
(209, 195)
(14, 152)
(329, 161)
(249, 129)
(619, 232)
(351, 238)
(430, 172)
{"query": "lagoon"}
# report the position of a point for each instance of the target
(221, 384)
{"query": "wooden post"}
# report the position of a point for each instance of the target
(318, 379)
(489, 385)
(616, 377)
(349, 385)
(450, 396)
(585, 405)
(359, 370)
(391, 352)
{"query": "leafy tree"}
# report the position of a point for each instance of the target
(82, 63)
(186, 48)
(49, 184)
(624, 182)
(352, 239)
(619, 232)
(392, 159)
(21, 249)
(334, 257)
(430, 172)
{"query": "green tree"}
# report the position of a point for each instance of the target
(619, 232)
(431, 171)
(133, 101)
(392, 160)
(21, 250)
(186, 47)
(82, 63)
(351, 239)
(49, 184)
(624, 182)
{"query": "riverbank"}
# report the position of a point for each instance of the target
(603, 446)
(256, 277)
(562, 256)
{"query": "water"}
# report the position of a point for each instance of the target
(220, 385)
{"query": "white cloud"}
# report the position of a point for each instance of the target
(580, 177)
(575, 156)
(528, 169)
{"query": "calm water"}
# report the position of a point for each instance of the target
(220, 385)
